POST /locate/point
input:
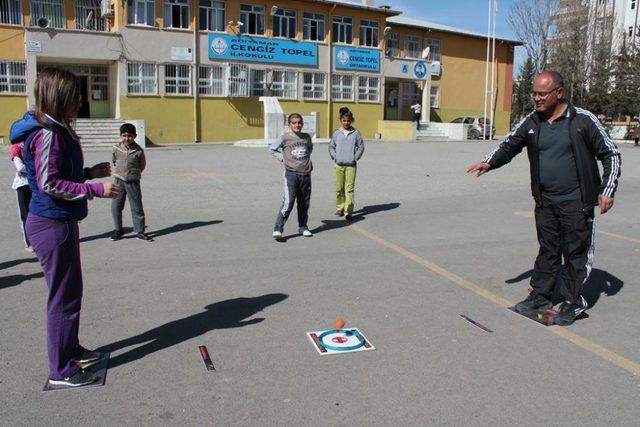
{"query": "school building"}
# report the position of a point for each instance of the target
(194, 70)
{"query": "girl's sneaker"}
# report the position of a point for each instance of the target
(78, 379)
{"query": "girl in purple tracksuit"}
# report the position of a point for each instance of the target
(56, 174)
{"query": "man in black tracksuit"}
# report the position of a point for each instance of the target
(563, 143)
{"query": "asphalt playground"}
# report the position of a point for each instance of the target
(427, 244)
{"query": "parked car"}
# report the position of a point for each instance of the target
(476, 126)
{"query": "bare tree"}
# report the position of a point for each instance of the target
(532, 23)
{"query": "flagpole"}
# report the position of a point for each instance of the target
(486, 73)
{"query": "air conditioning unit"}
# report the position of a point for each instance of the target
(105, 9)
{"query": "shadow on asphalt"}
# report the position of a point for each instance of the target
(169, 230)
(13, 263)
(221, 315)
(332, 224)
(600, 282)
(15, 280)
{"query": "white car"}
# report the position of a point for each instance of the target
(476, 126)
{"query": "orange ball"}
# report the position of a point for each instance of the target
(339, 324)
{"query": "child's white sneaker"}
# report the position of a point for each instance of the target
(277, 234)
(305, 232)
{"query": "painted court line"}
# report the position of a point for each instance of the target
(526, 214)
(581, 342)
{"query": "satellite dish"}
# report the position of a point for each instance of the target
(386, 30)
(88, 21)
(43, 22)
(425, 52)
(274, 10)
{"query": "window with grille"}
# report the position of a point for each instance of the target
(176, 13)
(258, 82)
(393, 45)
(285, 84)
(212, 80)
(410, 93)
(284, 23)
(238, 80)
(369, 89)
(313, 27)
(342, 29)
(435, 47)
(342, 87)
(53, 10)
(434, 100)
(368, 33)
(142, 78)
(13, 77)
(212, 15)
(412, 47)
(99, 88)
(313, 86)
(177, 79)
(88, 15)
(252, 18)
(11, 12)
(141, 12)
(633, 4)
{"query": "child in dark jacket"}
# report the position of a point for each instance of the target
(128, 161)
(346, 148)
(21, 185)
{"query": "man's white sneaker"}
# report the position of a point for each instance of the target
(306, 233)
(277, 234)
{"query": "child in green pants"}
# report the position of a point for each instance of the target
(346, 148)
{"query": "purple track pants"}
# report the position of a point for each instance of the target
(57, 245)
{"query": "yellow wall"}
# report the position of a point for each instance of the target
(170, 120)
(166, 119)
(12, 43)
(11, 109)
(396, 130)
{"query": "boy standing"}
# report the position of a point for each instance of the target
(129, 161)
(294, 150)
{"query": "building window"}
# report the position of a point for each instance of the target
(237, 80)
(284, 23)
(52, 10)
(212, 80)
(11, 12)
(633, 4)
(410, 93)
(177, 79)
(435, 49)
(314, 86)
(176, 13)
(393, 45)
(412, 47)
(141, 12)
(313, 27)
(342, 30)
(369, 89)
(88, 16)
(99, 87)
(368, 33)
(252, 18)
(142, 78)
(258, 82)
(212, 15)
(285, 84)
(630, 31)
(342, 87)
(434, 100)
(13, 77)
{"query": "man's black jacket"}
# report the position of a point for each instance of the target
(589, 141)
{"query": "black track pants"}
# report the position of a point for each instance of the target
(565, 231)
(297, 188)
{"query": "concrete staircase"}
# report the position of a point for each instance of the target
(98, 132)
(430, 132)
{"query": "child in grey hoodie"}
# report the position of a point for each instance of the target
(294, 150)
(346, 148)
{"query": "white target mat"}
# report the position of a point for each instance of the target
(339, 341)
